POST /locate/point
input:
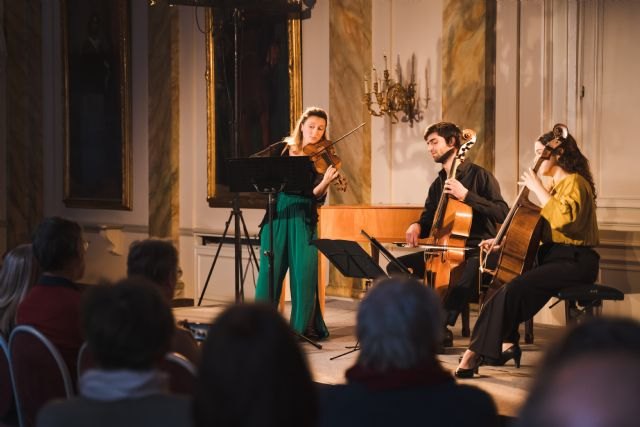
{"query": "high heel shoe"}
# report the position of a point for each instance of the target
(468, 373)
(514, 352)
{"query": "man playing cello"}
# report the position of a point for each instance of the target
(472, 185)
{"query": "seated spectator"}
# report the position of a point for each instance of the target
(591, 378)
(18, 275)
(128, 328)
(53, 304)
(157, 260)
(397, 379)
(253, 373)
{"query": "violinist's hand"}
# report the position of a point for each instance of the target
(456, 189)
(413, 234)
(330, 174)
(489, 244)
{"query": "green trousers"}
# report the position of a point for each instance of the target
(292, 231)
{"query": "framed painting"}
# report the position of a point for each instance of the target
(269, 92)
(97, 120)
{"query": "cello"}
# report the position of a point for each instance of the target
(520, 233)
(449, 231)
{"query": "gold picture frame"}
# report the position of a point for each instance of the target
(96, 46)
(218, 194)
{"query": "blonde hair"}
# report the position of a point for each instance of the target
(19, 273)
(294, 141)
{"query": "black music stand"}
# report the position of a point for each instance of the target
(349, 258)
(271, 175)
(352, 261)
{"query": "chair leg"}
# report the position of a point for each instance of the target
(466, 332)
(528, 331)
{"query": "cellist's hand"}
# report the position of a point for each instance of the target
(413, 234)
(456, 189)
(532, 181)
(489, 244)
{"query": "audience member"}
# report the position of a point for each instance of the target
(253, 373)
(18, 275)
(590, 379)
(53, 304)
(397, 379)
(157, 260)
(128, 328)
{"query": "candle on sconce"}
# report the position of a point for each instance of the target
(386, 63)
(413, 68)
(366, 85)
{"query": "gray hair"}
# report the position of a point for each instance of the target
(399, 326)
(18, 275)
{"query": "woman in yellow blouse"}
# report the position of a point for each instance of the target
(565, 258)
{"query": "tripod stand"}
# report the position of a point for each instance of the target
(235, 214)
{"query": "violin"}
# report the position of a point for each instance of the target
(323, 154)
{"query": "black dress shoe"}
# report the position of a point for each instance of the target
(514, 352)
(468, 373)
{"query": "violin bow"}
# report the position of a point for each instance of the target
(342, 137)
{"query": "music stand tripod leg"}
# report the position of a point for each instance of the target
(353, 348)
(238, 260)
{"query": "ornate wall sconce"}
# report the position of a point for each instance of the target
(390, 97)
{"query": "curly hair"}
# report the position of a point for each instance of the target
(446, 130)
(570, 158)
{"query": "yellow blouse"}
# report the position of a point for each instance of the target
(571, 213)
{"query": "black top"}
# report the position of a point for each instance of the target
(447, 404)
(484, 198)
(278, 149)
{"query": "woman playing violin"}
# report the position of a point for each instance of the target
(294, 226)
(565, 258)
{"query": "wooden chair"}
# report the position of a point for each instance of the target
(182, 373)
(39, 372)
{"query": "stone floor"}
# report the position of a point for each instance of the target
(506, 384)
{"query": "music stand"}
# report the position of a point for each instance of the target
(349, 258)
(352, 261)
(271, 175)
(388, 255)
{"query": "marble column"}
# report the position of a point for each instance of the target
(24, 163)
(350, 59)
(468, 72)
(163, 121)
(350, 23)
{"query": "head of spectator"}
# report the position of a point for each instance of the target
(590, 378)
(18, 274)
(253, 372)
(128, 325)
(59, 247)
(156, 260)
(399, 326)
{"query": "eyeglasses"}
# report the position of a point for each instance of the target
(179, 273)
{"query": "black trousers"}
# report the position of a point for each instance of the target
(460, 292)
(559, 266)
